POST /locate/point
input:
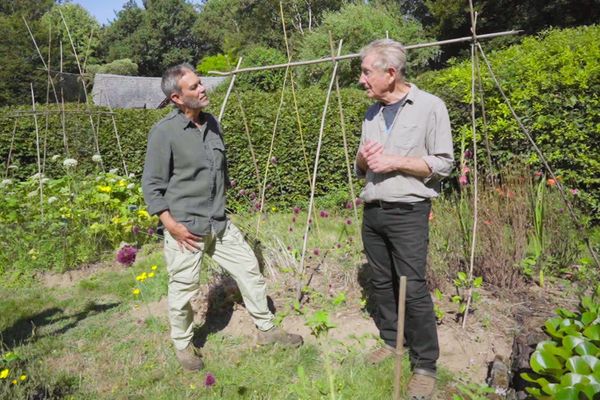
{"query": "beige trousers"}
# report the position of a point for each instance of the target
(232, 253)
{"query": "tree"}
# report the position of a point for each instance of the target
(357, 25)
(82, 28)
(118, 36)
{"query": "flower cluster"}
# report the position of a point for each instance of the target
(141, 278)
(126, 254)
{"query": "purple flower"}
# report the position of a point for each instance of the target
(209, 380)
(293, 220)
(150, 231)
(126, 255)
(296, 210)
(358, 201)
(316, 251)
(135, 229)
(269, 186)
(468, 154)
(324, 214)
(274, 160)
(349, 205)
(252, 196)
(338, 245)
(257, 205)
(348, 221)
(233, 183)
(310, 221)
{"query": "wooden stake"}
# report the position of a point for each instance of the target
(400, 337)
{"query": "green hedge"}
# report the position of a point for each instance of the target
(553, 82)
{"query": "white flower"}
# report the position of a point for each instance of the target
(37, 176)
(131, 175)
(32, 194)
(13, 166)
(45, 180)
(97, 158)
(52, 199)
(69, 162)
(113, 171)
(131, 186)
(112, 180)
(98, 178)
(55, 157)
(5, 182)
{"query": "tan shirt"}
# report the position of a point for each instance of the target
(421, 129)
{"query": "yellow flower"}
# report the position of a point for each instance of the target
(135, 291)
(23, 377)
(143, 214)
(121, 183)
(273, 209)
(104, 189)
(14, 381)
(4, 373)
(153, 268)
(151, 275)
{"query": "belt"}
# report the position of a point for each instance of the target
(387, 205)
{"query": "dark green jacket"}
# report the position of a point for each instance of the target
(185, 172)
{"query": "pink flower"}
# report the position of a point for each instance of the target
(463, 180)
(150, 231)
(242, 192)
(349, 205)
(574, 192)
(324, 214)
(465, 170)
(348, 221)
(358, 201)
(135, 229)
(126, 255)
(233, 183)
(537, 174)
(209, 380)
(296, 210)
(316, 251)
(468, 154)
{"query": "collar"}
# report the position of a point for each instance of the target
(184, 122)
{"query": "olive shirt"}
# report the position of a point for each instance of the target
(185, 172)
(421, 128)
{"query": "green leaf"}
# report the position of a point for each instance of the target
(571, 379)
(578, 365)
(592, 332)
(570, 342)
(544, 361)
(589, 317)
(552, 347)
(566, 313)
(569, 393)
(590, 390)
(587, 348)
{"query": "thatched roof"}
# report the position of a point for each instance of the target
(134, 91)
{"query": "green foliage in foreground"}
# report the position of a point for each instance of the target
(568, 365)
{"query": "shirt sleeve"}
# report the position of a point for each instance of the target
(360, 173)
(157, 171)
(438, 142)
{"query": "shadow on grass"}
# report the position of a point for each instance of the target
(222, 298)
(26, 329)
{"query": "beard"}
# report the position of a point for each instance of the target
(195, 104)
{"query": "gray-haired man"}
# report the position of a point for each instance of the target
(406, 148)
(184, 183)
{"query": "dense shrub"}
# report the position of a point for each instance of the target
(267, 80)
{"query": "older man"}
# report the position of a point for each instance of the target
(184, 182)
(406, 148)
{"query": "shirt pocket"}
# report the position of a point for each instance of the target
(218, 149)
(406, 140)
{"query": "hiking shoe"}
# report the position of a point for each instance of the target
(190, 358)
(421, 385)
(278, 335)
(381, 354)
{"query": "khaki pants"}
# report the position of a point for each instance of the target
(232, 253)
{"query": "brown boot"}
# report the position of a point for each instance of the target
(381, 354)
(190, 358)
(421, 385)
(278, 335)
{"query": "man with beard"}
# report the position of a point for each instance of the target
(184, 183)
(405, 150)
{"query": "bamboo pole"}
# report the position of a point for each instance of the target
(62, 107)
(10, 149)
(247, 131)
(269, 157)
(344, 139)
(400, 337)
(222, 112)
(356, 55)
(114, 123)
(542, 159)
(316, 165)
(37, 146)
(46, 67)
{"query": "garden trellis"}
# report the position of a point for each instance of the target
(262, 176)
(476, 52)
